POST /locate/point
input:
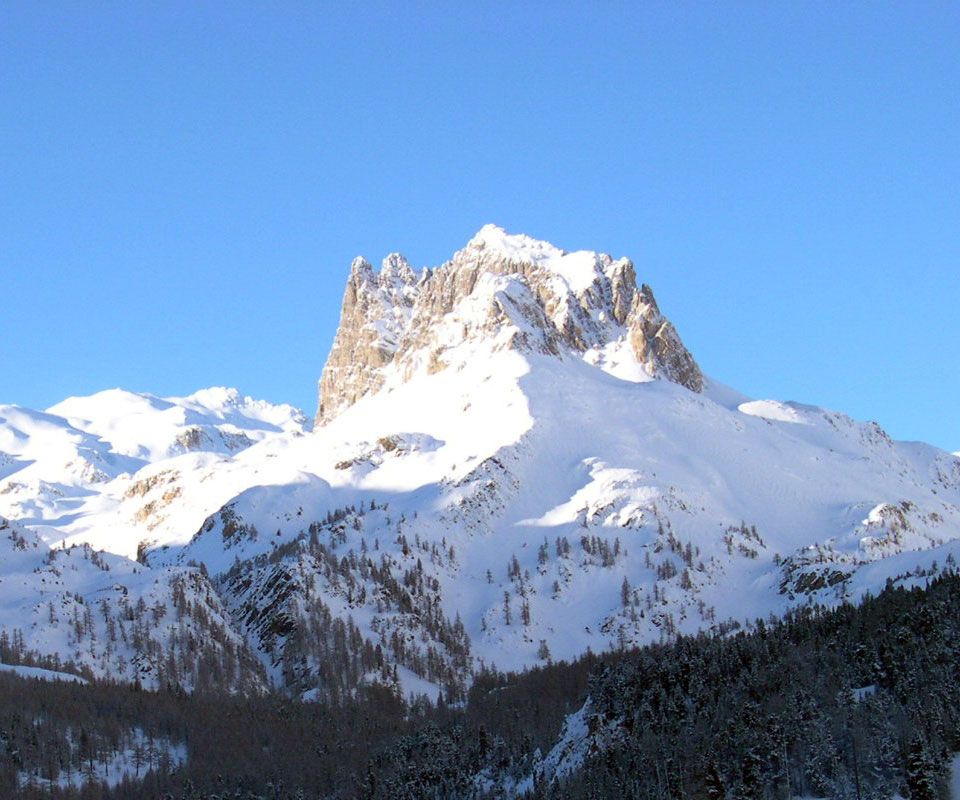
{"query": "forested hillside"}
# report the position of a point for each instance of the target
(848, 703)
(855, 703)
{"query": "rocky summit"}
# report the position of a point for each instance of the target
(524, 294)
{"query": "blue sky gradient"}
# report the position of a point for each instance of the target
(184, 185)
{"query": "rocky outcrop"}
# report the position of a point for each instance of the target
(376, 311)
(658, 346)
(508, 291)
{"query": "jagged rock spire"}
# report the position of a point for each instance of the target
(376, 310)
(658, 346)
(507, 290)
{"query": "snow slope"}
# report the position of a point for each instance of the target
(41, 674)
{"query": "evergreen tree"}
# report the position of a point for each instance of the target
(713, 783)
(920, 774)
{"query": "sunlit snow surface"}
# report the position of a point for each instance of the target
(772, 410)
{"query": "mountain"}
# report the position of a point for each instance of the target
(515, 458)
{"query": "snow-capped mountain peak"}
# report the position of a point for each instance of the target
(500, 291)
(499, 475)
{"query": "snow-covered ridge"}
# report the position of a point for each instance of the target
(148, 427)
(86, 455)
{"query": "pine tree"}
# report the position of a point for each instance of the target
(713, 783)
(752, 770)
(543, 652)
(921, 783)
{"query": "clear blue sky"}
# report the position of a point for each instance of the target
(183, 185)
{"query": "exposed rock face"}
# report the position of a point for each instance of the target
(506, 291)
(657, 345)
(376, 312)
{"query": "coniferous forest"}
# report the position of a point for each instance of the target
(857, 702)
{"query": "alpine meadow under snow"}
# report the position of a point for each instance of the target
(515, 459)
